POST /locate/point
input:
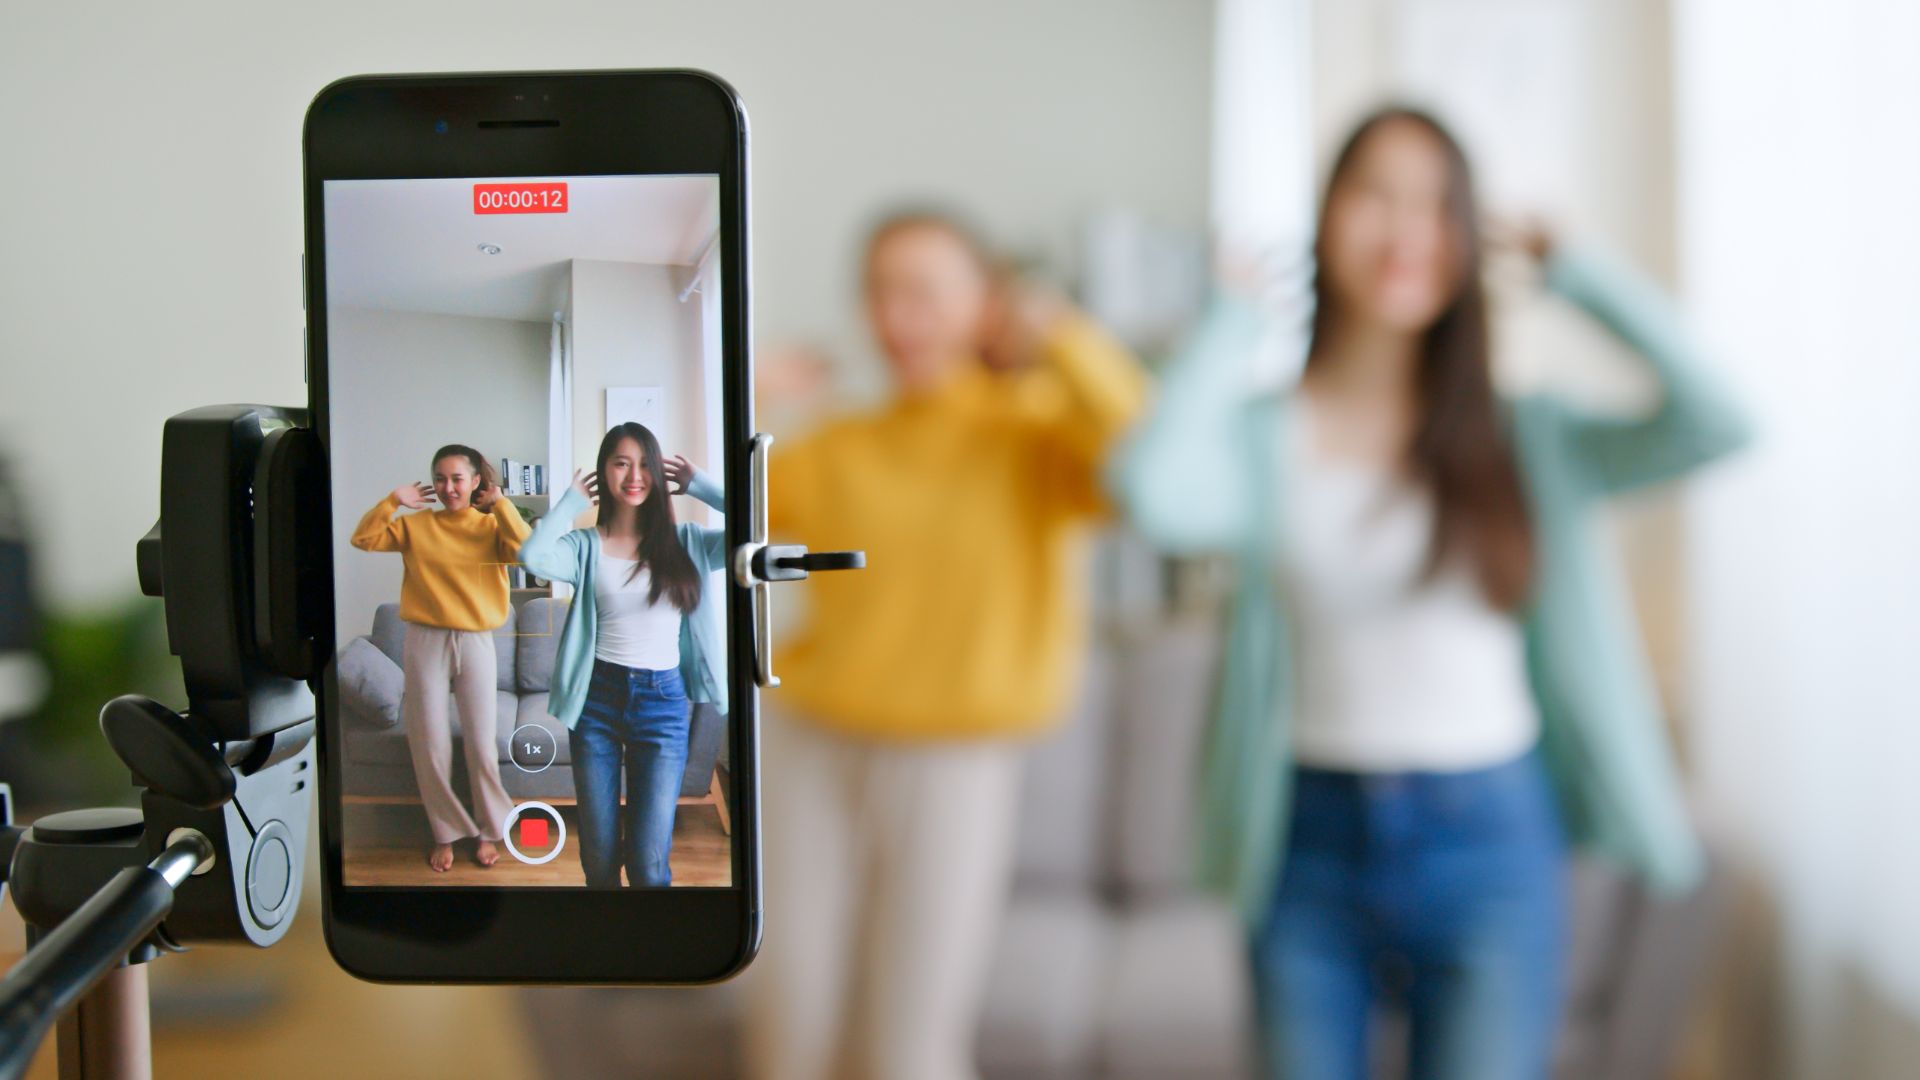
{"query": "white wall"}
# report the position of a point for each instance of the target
(488, 390)
(1800, 231)
(151, 203)
(630, 328)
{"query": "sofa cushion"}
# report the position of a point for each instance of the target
(531, 710)
(706, 729)
(1666, 945)
(538, 626)
(690, 1032)
(1049, 964)
(1063, 800)
(370, 684)
(389, 633)
(1174, 1001)
(1165, 687)
(374, 746)
(1602, 899)
(506, 709)
(506, 645)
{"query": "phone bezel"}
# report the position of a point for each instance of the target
(610, 123)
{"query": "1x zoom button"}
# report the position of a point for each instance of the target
(532, 748)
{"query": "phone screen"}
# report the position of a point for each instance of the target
(524, 380)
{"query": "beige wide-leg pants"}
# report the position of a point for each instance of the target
(435, 660)
(887, 867)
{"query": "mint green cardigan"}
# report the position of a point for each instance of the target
(558, 551)
(1201, 475)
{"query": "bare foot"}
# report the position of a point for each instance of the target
(485, 853)
(441, 858)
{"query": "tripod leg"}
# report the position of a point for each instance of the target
(107, 1035)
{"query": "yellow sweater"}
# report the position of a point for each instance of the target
(456, 560)
(971, 502)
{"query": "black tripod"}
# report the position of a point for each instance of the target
(215, 851)
(89, 964)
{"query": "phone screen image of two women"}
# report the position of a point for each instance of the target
(524, 397)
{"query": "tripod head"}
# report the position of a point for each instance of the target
(239, 556)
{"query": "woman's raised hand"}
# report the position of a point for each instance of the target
(1274, 277)
(587, 483)
(1019, 316)
(413, 496)
(1528, 236)
(679, 473)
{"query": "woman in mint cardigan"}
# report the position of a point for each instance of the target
(1431, 682)
(642, 642)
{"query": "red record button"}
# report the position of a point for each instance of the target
(543, 198)
(533, 832)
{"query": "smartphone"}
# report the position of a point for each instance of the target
(537, 753)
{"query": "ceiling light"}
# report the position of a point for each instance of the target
(490, 249)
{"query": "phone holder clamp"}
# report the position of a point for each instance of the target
(758, 564)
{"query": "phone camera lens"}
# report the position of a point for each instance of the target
(439, 127)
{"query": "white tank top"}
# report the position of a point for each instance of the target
(1394, 671)
(632, 632)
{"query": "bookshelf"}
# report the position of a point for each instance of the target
(533, 506)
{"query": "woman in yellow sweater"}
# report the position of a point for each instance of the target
(907, 699)
(452, 597)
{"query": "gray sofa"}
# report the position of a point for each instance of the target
(1109, 965)
(379, 765)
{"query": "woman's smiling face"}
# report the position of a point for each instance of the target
(1389, 247)
(454, 481)
(626, 476)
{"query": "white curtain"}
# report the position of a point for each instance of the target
(1263, 160)
(559, 421)
(1262, 122)
(712, 362)
(1798, 134)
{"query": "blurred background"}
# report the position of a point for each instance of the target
(1757, 156)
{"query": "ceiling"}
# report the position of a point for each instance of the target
(415, 245)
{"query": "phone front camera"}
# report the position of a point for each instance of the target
(439, 127)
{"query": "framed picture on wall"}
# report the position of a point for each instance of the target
(636, 404)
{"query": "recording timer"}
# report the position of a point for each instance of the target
(544, 198)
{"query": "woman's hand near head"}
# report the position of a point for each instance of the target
(1019, 316)
(587, 483)
(484, 498)
(679, 473)
(1273, 277)
(1524, 235)
(413, 495)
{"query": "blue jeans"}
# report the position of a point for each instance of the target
(1442, 892)
(637, 720)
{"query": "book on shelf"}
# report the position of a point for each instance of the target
(522, 477)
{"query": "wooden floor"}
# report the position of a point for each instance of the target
(701, 853)
(290, 1014)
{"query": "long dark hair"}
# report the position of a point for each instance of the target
(1460, 449)
(489, 476)
(673, 572)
